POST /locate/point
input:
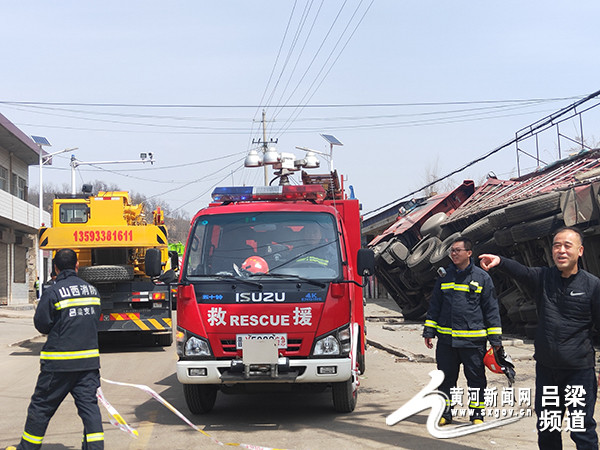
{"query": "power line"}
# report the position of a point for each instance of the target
(323, 105)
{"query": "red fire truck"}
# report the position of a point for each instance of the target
(270, 293)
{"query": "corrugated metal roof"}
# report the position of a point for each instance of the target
(584, 167)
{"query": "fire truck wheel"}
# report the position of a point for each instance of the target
(344, 396)
(109, 274)
(200, 398)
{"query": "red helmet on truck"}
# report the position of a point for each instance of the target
(255, 264)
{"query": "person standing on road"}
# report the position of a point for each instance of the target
(568, 308)
(68, 313)
(463, 313)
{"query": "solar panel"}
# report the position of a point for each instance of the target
(331, 139)
(39, 140)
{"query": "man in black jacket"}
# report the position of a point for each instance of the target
(568, 307)
(464, 314)
(68, 313)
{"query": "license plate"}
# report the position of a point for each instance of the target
(280, 338)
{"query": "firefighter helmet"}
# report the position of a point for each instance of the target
(498, 361)
(255, 264)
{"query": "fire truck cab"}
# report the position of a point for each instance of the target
(270, 292)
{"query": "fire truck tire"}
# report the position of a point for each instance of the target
(418, 260)
(441, 256)
(532, 208)
(529, 231)
(200, 398)
(344, 396)
(108, 274)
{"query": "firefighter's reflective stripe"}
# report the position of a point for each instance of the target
(33, 439)
(462, 333)
(94, 437)
(462, 287)
(476, 405)
(431, 323)
(314, 259)
(93, 353)
(469, 333)
(83, 301)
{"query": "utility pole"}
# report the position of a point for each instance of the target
(265, 143)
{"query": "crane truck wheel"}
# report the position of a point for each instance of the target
(200, 398)
(108, 274)
(344, 396)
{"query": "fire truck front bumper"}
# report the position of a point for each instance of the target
(285, 371)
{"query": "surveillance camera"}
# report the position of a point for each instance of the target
(143, 155)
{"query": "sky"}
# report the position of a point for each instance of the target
(410, 88)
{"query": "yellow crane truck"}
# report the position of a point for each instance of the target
(124, 255)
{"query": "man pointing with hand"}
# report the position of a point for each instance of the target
(568, 306)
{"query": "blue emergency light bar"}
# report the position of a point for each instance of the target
(258, 193)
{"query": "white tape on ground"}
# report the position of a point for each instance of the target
(115, 417)
(174, 410)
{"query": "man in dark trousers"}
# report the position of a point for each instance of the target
(568, 307)
(463, 314)
(68, 313)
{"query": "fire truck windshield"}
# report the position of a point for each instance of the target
(301, 244)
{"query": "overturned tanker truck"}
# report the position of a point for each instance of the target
(514, 218)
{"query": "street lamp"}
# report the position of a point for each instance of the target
(310, 154)
(43, 160)
(144, 158)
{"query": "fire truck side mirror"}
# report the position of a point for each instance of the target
(365, 262)
(152, 262)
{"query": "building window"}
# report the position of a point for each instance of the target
(19, 187)
(4, 179)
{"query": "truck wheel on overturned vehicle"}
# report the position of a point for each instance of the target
(109, 274)
(441, 256)
(418, 260)
(200, 398)
(344, 396)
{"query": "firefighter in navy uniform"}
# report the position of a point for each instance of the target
(68, 313)
(463, 314)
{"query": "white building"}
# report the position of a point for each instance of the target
(19, 220)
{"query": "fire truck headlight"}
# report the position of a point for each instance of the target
(196, 347)
(329, 345)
